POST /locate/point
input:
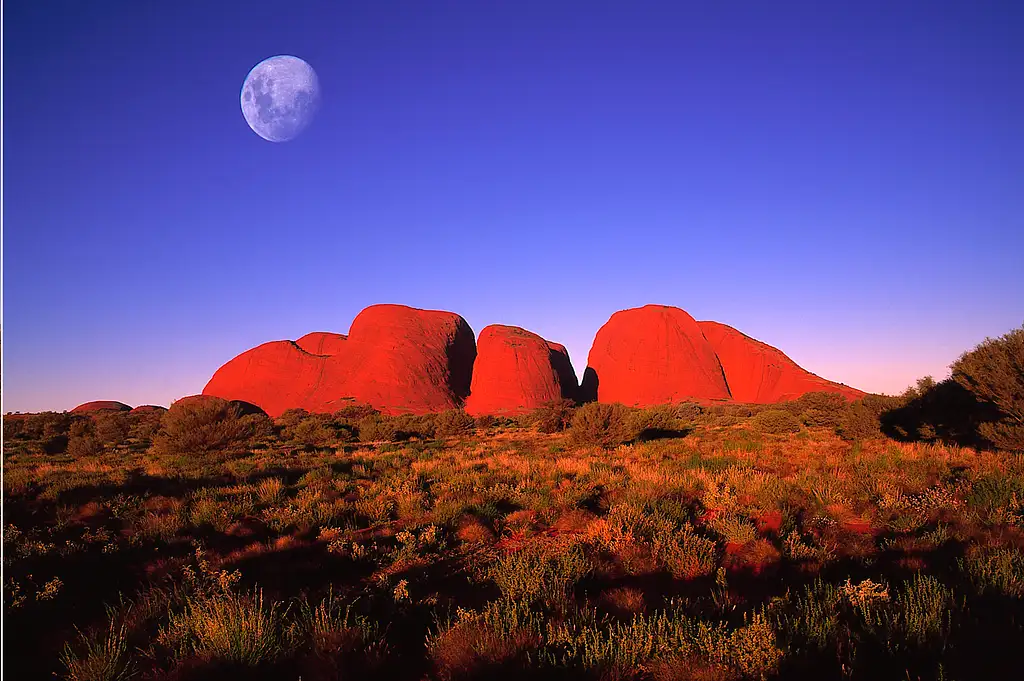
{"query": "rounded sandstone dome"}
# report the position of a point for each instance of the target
(100, 406)
(517, 371)
(652, 355)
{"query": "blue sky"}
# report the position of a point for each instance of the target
(844, 181)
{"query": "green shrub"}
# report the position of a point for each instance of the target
(376, 428)
(112, 429)
(354, 411)
(228, 627)
(291, 418)
(540, 575)
(689, 413)
(453, 422)
(999, 571)
(919, 615)
(653, 421)
(144, 425)
(84, 445)
(994, 373)
(101, 656)
(995, 493)
(45, 425)
(81, 428)
(312, 431)
(776, 422)
(552, 417)
(423, 426)
(596, 423)
(210, 424)
(862, 418)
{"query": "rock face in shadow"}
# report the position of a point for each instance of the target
(517, 371)
(396, 358)
(756, 372)
(652, 355)
(100, 406)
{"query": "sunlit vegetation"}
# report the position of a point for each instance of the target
(684, 542)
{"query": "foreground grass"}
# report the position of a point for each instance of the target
(717, 552)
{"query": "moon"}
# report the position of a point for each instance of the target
(280, 97)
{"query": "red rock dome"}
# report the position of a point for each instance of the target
(277, 376)
(652, 355)
(398, 359)
(99, 406)
(517, 371)
(757, 372)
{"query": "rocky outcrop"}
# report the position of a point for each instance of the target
(100, 406)
(398, 359)
(758, 373)
(517, 371)
(652, 355)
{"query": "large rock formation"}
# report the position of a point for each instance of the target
(652, 355)
(278, 376)
(100, 406)
(757, 372)
(403, 360)
(517, 371)
(657, 354)
(395, 358)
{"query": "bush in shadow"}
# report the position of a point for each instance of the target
(994, 373)
(980, 405)
(863, 418)
(943, 412)
(111, 429)
(84, 445)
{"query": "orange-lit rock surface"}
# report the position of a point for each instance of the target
(652, 355)
(517, 371)
(322, 343)
(757, 372)
(396, 358)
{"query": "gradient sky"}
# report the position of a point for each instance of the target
(843, 180)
